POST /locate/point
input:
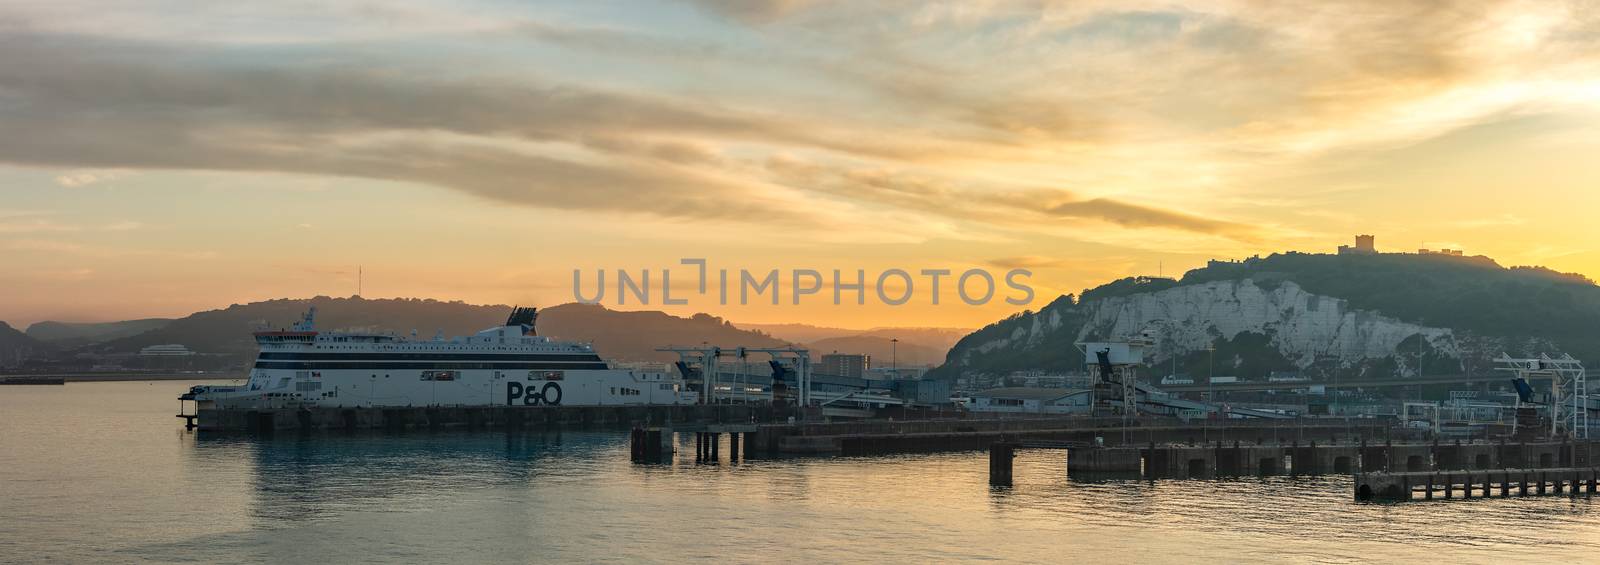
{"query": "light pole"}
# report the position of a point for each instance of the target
(1211, 369)
(894, 357)
(1211, 373)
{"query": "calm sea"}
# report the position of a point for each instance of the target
(102, 472)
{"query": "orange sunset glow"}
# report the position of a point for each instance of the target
(161, 162)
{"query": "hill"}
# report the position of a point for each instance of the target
(634, 336)
(883, 352)
(617, 335)
(1369, 315)
(798, 333)
(936, 341)
(16, 346)
(77, 334)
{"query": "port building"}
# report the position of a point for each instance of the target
(1032, 400)
(845, 364)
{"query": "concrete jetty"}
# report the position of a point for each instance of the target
(1169, 460)
(922, 436)
(1404, 486)
(1337, 457)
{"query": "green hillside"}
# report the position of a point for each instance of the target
(16, 347)
(1473, 296)
(1464, 293)
(77, 334)
(616, 334)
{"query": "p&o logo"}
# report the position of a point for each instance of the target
(533, 395)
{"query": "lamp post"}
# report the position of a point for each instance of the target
(1211, 373)
(1211, 368)
(894, 357)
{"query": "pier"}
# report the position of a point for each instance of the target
(879, 437)
(1386, 459)
(657, 444)
(1503, 483)
(1093, 439)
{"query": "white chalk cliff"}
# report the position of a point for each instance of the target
(1305, 328)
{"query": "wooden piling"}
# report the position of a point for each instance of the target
(1001, 456)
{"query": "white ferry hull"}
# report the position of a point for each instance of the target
(502, 366)
(410, 388)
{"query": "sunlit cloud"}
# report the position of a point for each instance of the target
(83, 178)
(1129, 130)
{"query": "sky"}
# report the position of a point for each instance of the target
(160, 158)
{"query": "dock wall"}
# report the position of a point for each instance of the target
(1402, 486)
(1328, 457)
(880, 437)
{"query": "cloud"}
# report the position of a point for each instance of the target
(1136, 216)
(990, 202)
(138, 105)
(36, 226)
(45, 225)
(752, 11)
(1032, 262)
(966, 114)
(82, 178)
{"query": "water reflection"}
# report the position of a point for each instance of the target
(310, 477)
(97, 473)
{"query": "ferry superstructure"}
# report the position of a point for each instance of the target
(509, 365)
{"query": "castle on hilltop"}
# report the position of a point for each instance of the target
(1367, 245)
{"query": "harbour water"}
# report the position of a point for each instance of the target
(102, 472)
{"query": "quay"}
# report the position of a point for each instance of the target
(32, 380)
(1404, 486)
(1365, 458)
(879, 437)
(655, 445)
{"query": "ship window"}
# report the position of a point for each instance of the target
(439, 375)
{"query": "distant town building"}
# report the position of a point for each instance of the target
(1450, 252)
(1031, 400)
(168, 350)
(845, 364)
(1365, 244)
(924, 391)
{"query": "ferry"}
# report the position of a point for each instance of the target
(508, 365)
